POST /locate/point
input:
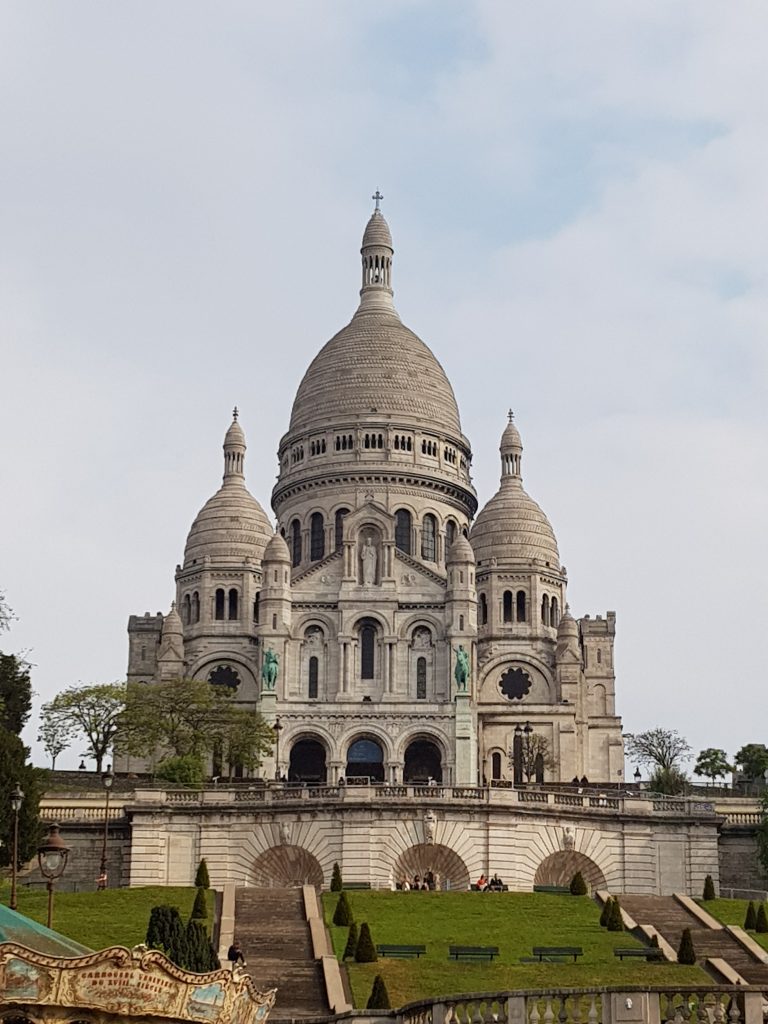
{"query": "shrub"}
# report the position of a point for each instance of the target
(336, 882)
(686, 954)
(342, 915)
(605, 913)
(366, 951)
(201, 956)
(351, 946)
(578, 885)
(184, 771)
(615, 920)
(761, 923)
(158, 928)
(199, 907)
(709, 889)
(202, 879)
(379, 997)
(750, 920)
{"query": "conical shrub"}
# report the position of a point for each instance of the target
(199, 907)
(655, 940)
(578, 885)
(351, 946)
(709, 889)
(157, 928)
(750, 920)
(342, 915)
(202, 879)
(177, 949)
(686, 954)
(605, 913)
(761, 924)
(379, 997)
(615, 920)
(366, 951)
(336, 883)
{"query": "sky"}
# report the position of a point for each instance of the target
(577, 195)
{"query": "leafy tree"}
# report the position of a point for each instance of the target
(709, 889)
(663, 748)
(669, 781)
(761, 922)
(15, 767)
(379, 997)
(750, 918)
(615, 920)
(342, 915)
(336, 882)
(15, 693)
(182, 771)
(199, 907)
(202, 878)
(91, 711)
(366, 951)
(605, 913)
(712, 763)
(177, 949)
(578, 885)
(752, 760)
(686, 954)
(352, 940)
(56, 736)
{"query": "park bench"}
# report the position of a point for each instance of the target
(474, 887)
(646, 952)
(554, 954)
(563, 890)
(357, 885)
(404, 952)
(473, 952)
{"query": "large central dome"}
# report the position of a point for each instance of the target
(375, 365)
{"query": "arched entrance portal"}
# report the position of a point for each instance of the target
(307, 763)
(365, 759)
(447, 866)
(282, 866)
(559, 869)
(422, 762)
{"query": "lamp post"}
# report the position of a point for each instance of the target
(17, 798)
(107, 780)
(637, 776)
(276, 728)
(529, 768)
(52, 857)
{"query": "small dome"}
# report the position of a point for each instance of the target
(377, 231)
(460, 551)
(235, 434)
(230, 527)
(276, 550)
(511, 436)
(513, 528)
(568, 626)
(172, 623)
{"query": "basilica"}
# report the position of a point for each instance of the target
(388, 630)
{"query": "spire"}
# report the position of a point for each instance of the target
(511, 449)
(234, 452)
(377, 252)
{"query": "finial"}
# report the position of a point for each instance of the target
(378, 197)
(235, 413)
(511, 416)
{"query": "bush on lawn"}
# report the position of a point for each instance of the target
(342, 915)
(366, 951)
(709, 889)
(379, 997)
(351, 946)
(686, 954)
(199, 907)
(750, 920)
(605, 913)
(655, 940)
(761, 924)
(615, 920)
(578, 885)
(336, 882)
(202, 879)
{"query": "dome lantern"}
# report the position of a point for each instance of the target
(377, 252)
(511, 448)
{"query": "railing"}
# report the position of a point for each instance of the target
(74, 812)
(743, 818)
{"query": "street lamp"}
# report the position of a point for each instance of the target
(107, 780)
(52, 857)
(17, 798)
(277, 727)
(637, 776)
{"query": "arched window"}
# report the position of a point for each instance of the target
(421, 679)
(521, 613)
(313, 672)
(367, 650)
(233, 608)
(496, 765)
(450, 534)
(339, 527)
(196, 606)
(507, 606)
(403, 530)
(599, 656)
(545, 609)
(186, 610)
(483, 610)
(554, 614)
(295, 543)
(428, 535)
(219, 608)
(256, 609)
(316, 536)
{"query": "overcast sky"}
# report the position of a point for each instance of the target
(577, 195)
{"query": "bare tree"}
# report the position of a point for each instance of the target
(663, 748)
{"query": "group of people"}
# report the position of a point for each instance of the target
(427, 883)
(494, 885)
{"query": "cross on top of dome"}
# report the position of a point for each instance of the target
(377, 196)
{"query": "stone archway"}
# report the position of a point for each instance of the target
(422, 762)
(307, 762)
(448, 867)
(284, 866)
(365, 759)
(559, 868)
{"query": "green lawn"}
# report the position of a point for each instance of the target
(115, 917)
(733, 912)
(515, 922)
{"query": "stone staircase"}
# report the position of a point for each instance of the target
(274, 935)
(669, 918)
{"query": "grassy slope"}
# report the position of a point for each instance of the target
(515, 922)
(115, 917)
(733, 912)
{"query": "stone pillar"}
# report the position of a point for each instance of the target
(465, 748)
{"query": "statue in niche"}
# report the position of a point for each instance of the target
(461, 672)
(569, 839)
(422, 638)
(429, 826)
(313, 637)
(269, 669)
(285, 833)
(369, 558)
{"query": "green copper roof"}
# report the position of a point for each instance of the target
(25, 932)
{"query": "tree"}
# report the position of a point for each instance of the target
(752, 760)
(664, 748)
(379, 997)
(15, 693)
(202, 878)
(761, 922)
(336, 882)
(342, 915)
(712, 763)
(15, 767)
(92, 711)
(352, 940)
(366, 951)
(750, 918)
(578, 885)
(615, 920)
(201, 956)
(6, 613)
(56, 736)
(669, 781)
(605, 913)
(199, 907)
(686, 954)
(709, 889)
(532, 756)
(181, 771)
